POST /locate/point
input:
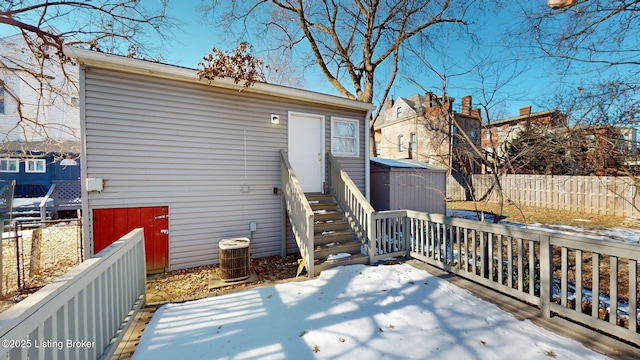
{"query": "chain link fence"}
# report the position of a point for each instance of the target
(33, 256)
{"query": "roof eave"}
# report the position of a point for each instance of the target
(107, 61)
(522, 117)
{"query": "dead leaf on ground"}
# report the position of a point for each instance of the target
(550, 353)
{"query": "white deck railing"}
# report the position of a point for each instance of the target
(82, 314)
(561, 274)
(300, 214)
(357, 209)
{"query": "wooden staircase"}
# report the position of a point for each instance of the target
(335, 244)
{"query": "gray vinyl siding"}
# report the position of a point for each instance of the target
(160, 142)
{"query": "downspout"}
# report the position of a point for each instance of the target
(367, 149)
(87, 236)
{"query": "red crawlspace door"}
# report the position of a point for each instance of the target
(110, 225)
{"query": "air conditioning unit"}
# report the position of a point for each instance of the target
(235, 259)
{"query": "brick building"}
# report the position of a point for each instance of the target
(421, 128)
(496, 134)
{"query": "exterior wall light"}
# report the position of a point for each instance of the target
(275, 119)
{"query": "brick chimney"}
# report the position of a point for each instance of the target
(388, 103)
(525, 110)
(475, 113)
(466, 105)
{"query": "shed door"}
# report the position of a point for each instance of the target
(306, 150)
(110, 225)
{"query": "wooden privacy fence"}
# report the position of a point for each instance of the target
(82, 314)
(603, 195)
(589, 281)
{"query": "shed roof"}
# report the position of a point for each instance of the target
(404, 164)
(108, 61)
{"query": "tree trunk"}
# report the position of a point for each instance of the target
(36, 245)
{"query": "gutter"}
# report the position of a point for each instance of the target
(95, 59)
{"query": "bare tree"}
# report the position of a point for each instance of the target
(36, 75)
(597, 32)
(350, 42)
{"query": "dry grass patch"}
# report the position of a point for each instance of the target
(531, 214)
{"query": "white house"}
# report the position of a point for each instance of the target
(48, 113)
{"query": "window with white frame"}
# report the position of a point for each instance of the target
(399, 112)
(344, 137)
(400, 143)
(35, 166)
(9, 165)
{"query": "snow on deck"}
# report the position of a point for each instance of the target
(351, 312)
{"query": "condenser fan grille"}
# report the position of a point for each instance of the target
(234, 259)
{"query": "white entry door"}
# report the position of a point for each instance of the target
(306, 150)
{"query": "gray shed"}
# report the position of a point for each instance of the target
(406, 184)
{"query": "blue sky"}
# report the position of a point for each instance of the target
(194, 36)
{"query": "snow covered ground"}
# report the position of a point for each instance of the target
(350, 312)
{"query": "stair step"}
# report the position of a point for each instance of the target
(322, 215)
(330, 225)
(328, 264)
(324, 206)
(341, 236)
(322, 198)
(351, 247)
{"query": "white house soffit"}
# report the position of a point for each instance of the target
(107, 61)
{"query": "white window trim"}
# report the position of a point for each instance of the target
(35, 162)
(12, 171)
(400, 143)
(357, 138)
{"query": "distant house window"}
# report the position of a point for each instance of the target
(433, 101)
(344, 137)
(474, 135)
(488, 134)
(400, 143)
(9, 165)
(378, 149)
(1, 98)
(35, 166)
(398, 112)
(412, 145)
